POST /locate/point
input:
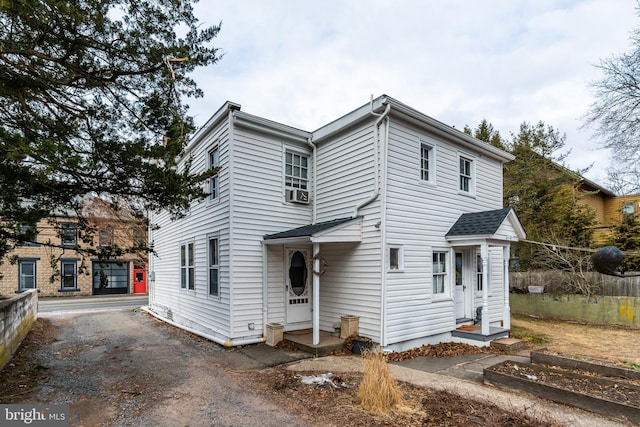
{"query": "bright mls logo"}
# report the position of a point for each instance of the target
(34, 415)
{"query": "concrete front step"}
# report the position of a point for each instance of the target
(329, 343)
(509, 345)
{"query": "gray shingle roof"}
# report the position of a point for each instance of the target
(478, 223)
(308, 230)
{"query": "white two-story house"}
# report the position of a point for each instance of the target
(385, 214)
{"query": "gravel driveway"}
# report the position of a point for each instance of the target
(125, 368)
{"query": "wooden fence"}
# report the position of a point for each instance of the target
(555, 282)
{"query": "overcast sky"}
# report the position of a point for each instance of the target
(306, 63)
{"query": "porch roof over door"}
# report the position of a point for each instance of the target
(334, 231)
(499, 226)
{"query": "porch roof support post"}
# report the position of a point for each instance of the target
(484, 254)
(316, 294)
(506, 308)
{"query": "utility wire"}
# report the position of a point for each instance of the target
(556, 247)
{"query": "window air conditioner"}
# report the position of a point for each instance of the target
(298, 196)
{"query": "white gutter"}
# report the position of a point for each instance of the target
(376, 144)
(245, 341)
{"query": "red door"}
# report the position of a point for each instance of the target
(139, 279)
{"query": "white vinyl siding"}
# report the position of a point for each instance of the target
(195, 309)
(419, 216)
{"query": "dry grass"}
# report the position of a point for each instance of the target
(378, 393)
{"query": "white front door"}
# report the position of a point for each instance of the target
(462, 286)
(298, 285)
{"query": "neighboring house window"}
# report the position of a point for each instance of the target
(69, 274)
(479, 284)
(439, 272)
(68, 234)
(27, 274)
(296, 173)
(427, 163)
(395, 258)
(628, 211)
(214, 185)
(187, 270)
(105, 236)
(214, 268)
(30, 234)
(466, 175)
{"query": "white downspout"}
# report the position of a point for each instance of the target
(376, 144)
(315, 294)
(506, 309)
(484, 254)
(265, 289)
(314, 153)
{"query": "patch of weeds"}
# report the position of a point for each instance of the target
(532, 337)
(631, 365)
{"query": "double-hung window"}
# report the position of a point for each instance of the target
(296, 174)
(427, 163)
(105, 236)
(187, 268)
(466, 174)
(68, 234)
(439, 273)
(69, 274)
(214, 267)
(214, 183)
(27, 278)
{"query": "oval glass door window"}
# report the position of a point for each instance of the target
(298, 273)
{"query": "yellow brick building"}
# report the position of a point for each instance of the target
(55, 266)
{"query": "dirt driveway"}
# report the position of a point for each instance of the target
(125, 368)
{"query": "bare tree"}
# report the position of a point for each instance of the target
(615, 114)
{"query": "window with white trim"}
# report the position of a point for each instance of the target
(214, 183)
(466, 174)
(427, 162)
(187, 267)
(214, 267)
(27, 278)
(396, 262)
(296, 170)
(439, 273)
(68, 274)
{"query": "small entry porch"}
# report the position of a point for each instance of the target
(303, 340)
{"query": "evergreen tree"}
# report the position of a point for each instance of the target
(91, 103)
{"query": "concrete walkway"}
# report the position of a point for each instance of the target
(463, 376)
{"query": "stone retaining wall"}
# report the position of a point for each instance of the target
(17, 315)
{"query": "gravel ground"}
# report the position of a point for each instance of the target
(129, 369)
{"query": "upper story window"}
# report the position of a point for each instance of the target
(68, 234)
(439, 273)
(29, 234)
(466, 174)
(214, 183)
(296, 174)
(105, 236)
(427, 162)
